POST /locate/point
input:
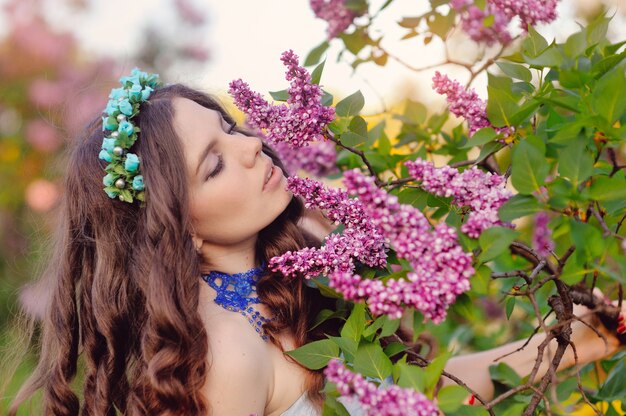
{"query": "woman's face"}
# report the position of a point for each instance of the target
(235, 188)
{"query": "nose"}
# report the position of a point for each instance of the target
(252, 148)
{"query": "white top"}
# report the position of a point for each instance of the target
(304, 407)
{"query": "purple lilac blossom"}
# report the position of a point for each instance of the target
(464, 103)
(483, 192)
(339, 17)
(378, 401)
(318, 158)
(542, 235)
(500, 13)
(441, 269)
(373, 220)
(473, 22)
(301, 121)
(530, 12)
(361, 240)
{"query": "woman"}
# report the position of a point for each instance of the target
(125, 289)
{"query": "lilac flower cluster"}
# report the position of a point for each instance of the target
(361, 240)
(441, 269)
(483, 192)
(464, 103)
(530, 12)
(473, 22)
(500, 12)
(542, 235)
(375, 401)
(339, 17)
(318, 158)
(298, 123)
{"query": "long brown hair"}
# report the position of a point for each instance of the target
(124, 284)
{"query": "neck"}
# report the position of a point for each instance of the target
(229, 259)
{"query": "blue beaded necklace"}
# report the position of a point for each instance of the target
(236, 292)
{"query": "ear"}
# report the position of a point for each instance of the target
(197, 243)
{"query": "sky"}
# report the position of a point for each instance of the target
(246, 38)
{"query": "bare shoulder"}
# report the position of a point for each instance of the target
(240, 374)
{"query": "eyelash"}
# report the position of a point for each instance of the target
(220, 159)
(218, 168)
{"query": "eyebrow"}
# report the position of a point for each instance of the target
(210, 146)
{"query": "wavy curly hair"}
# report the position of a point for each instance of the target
(124, 284)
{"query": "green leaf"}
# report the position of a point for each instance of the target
(316, 54)
(504, 374)
(333, 407)
(528, 166)
(510, 305)
(351, 105)
(435, 368)
(315, 355)
(352, 139)
(394, 348)
(588, 241)
(614, 388)
(609, 100)
(359, 126)
(371, 361)
(575, 44)
(518, 206)
(316, 75)
(515, 71)
(390, 326)
(410, 376)
(502, 104)
(282, 95)
(410, 22)
(355, 41)
(353, 328)
(495, 241)
(550, 57)
(573, 273)
(606, 64)
(605, 188)
(534, 43)
(439, 24)
(348, 346)
(488, 149)
(450, 398)
(480, 281)
(480, 137)
(575, 161)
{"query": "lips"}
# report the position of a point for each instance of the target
(268, 172)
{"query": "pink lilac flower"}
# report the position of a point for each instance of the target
(339, 17)
(318, 158)
(373, 220)
(542, 235)
(301, 121)
(530, 12)
(501, 12)
(441, 269)
(473, 22)
(378, 401)
(464, 103)
(361, 240)
(483, 192)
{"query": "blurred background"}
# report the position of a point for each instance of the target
(60, 58)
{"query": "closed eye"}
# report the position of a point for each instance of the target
(231, 128)
(218, 168)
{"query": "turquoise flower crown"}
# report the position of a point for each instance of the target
(123, 179)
